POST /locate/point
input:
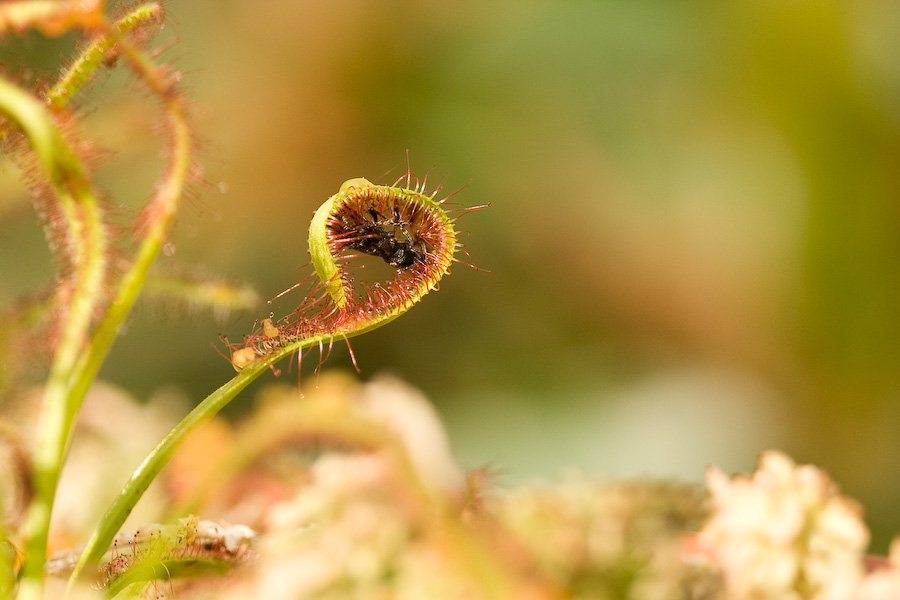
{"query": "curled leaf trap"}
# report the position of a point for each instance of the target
(406, 227)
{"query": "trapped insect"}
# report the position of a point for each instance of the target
(388, 238)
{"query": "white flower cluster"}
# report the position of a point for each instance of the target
(345, 529)
(882, 583)
(785, 533)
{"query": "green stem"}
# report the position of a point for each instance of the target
(340, 328)
(85, 65)
(79, 72)
(160, 212)
(85, 230)
(74, 366)
(125, 502)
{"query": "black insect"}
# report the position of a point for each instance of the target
(388, 238)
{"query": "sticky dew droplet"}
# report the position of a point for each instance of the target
(269, 329)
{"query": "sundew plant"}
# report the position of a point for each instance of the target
(405, 226)
(350, 489)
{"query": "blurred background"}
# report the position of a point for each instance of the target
(693, 233)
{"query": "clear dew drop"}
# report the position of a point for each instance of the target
(168, 249)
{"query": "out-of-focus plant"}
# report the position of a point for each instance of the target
(91, 298)
(352, 491)
(95, 292)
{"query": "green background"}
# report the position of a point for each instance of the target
(693, 238)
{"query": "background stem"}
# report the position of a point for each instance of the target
(127, 499)
(87, 242)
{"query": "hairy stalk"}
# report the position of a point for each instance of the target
(197, 292)
(98, 50)
(76, 363)
(127, 499)
(85, 65)
(300, 332)
(86, 234)
(160, 212)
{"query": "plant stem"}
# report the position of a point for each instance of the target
(85, 65)
(74, 367)
(347, 323)
(87, 238)
(125, 502)
(160, 212)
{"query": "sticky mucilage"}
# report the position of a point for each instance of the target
(405, 226)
